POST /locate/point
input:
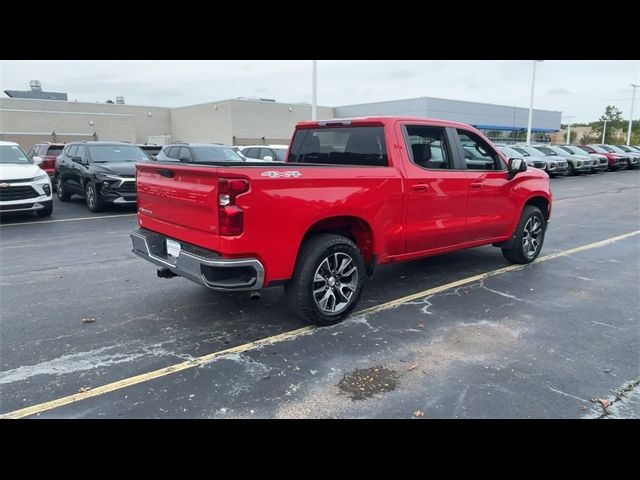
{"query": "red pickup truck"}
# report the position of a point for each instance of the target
(352, 194)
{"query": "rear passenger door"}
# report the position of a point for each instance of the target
(490, 207)
(436, 186)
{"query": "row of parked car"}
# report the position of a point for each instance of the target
(575, 159)
(104, 172)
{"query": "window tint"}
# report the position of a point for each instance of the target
(266, 152)
(80, 152)
(32, 152)
(281, 154)
(72, 151)
(251, 153)
(173, 152)
(184, 153)
(427, 147)
(13, 154)
(340, 146)
(52, 150)
(478, 155)
(215, 154)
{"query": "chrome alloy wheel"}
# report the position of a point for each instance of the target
(532, 236)
(335, 282)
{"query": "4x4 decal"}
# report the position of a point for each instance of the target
(287, 174)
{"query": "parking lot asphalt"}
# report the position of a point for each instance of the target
(559, 338)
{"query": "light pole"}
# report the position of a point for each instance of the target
(633, 97)
(533, 85)
(604, 130)
(314, 92)
(569, 128)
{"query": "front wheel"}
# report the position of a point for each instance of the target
(328, 279)
(94, 200)
(529, 236)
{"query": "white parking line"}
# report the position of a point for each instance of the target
(70, 219)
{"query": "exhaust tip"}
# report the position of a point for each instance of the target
(255, 295)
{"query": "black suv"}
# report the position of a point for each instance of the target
(102, 172)
(197, 152)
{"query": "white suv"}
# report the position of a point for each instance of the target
(24, 186)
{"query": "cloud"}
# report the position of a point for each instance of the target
(397, 75)
(558, 91)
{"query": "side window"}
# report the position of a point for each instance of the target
(251, 153)
(72, 151)
(172, 152)
(266, 152)
(32, 152)
(184, 153)
(80, 152)
(478, 155)
(427, 147)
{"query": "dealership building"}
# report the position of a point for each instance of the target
(33, 116)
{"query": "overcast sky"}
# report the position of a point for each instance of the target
(577, 88)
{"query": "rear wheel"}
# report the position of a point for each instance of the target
(529, 236)
(61, 193)
(571, 171)
(94, 200)
(328, 279)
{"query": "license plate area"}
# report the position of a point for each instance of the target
(173, 248)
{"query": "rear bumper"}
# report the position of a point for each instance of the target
(202, 266)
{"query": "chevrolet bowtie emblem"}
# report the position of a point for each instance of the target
(5, 185)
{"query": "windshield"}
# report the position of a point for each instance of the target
(54, 150)
(572, 150)
(586, 148)
(216, 154)
(522, 151)
(116, 153)
(618, 149)
(13, 154)
(558, 150)
(510, 152)
(281, 153)
(546, 151)
(608, 149)
(599, 149)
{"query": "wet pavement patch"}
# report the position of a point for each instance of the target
(365, 383)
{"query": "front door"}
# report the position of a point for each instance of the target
(436, 189)
(490, 207)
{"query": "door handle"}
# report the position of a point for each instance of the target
(166, 173)
(420, 187)
(476, 185)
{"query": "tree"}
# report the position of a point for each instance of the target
(613, 116)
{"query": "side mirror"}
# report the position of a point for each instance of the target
(516, 165)
(185, 159)
(268, 158)
(37, 160)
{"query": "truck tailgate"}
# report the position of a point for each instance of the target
(179, 201)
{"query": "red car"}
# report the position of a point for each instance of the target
(48, 152)
(352, 194)
(616, 161)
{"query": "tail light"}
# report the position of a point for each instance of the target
(48, 161)
(230, 216)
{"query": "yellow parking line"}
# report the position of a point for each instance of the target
(144, 377)
(97, 217)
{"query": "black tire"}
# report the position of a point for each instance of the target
(517, 253)
(93, 198)
(61, 193)
(311, 260)
(571, 171)
(47, 210)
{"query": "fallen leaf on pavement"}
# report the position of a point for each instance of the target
(420, 325)
(84, 389)
(419, 413)
(88, 320)
(412, 367)
(583, 407)
(604, 402)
